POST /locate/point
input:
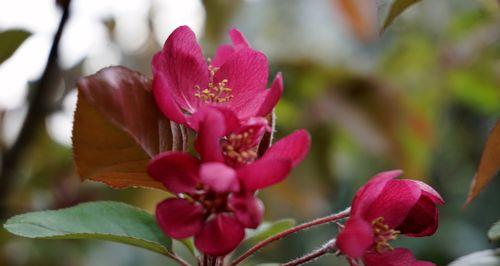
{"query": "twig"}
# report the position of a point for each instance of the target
(178, 259)
(328, 219)
(38, 109)
(326, 248)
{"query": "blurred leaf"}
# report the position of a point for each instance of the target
(489, 257)
(494, 232)
(101, 220)
(268, 229)
(117, 128)
(10, 40)
(489, 164)
(397, 8)
(361, 15)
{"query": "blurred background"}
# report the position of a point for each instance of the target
(422, 97)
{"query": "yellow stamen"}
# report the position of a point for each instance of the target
(383, 234)
(216, 92)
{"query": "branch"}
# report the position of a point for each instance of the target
(324, 220)
(38, 108)
(326, 248)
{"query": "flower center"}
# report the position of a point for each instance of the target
(215, 92)
(383, 234)
(239, 149)
(212, 202)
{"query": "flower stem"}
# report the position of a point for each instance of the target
(326, 248)
(328, 219)
(177, 259)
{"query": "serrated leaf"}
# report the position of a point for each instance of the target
(397, 8)
(268, 229)
(118, 128)
(10, 40)
(494, 232)
(102, 220)
(490, 257)
(489, 164)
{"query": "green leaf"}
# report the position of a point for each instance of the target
(10, 40)
(268, 229)
(102, 220)
(494, 232)
(490, 257)
(397, 7)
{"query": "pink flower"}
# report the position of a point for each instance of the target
(236, 78)
(381, 210)
(217, 202)
(224, 138)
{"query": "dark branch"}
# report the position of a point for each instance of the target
(39, 107)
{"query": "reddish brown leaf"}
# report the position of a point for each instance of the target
(489, 164)
(361, 16)
(118, 127)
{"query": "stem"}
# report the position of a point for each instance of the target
(326, 248)
(328, 219)
(212, 260)
(178, 259)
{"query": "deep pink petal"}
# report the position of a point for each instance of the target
(263, 173)
(227, 119)
(238, 39)
(181, 67)
(396, 257)
(222, 53)
(429, 191)
(272, 96)
(249, 210)
(371, 190)
(179, 218)
(210, 125)
(293, 147)
(422, 219)
(355, 238)
(246, 72)
(255, 127)
(178, 171)
(220, 235)
(165, 101)
(394, 202)
(219, 177)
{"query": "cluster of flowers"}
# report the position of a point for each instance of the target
(226, 102)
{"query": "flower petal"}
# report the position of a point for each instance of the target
(246, 72)
(219, 177)
(181, 66)
(422, 219)
(212, 123)
(165, 101)
(178, 171)
(293, 147)
(249, 210)
(371, 190)
(179, 218)
(272, 96)
(394, 202)
(429, 191)
(396, 257)
(355, 238)
(238, 39)
(222, 53)
(263, 173)
(220, 235)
